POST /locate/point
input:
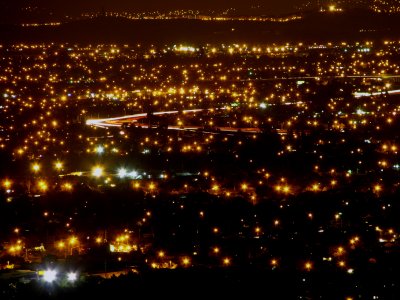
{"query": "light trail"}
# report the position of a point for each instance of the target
(119, 121)
(366, 94)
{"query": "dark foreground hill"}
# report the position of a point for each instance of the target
(352, 25)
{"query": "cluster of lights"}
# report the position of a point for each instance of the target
(122, 244)
(385, 6)
(124, 173)
(51, 275)
(281, 187)
(186, 14)
(219, 81)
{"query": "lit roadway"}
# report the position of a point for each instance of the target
(119, 121)
(367, 94)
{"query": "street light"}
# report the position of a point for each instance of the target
(7, 184)
(308, 266)
(49, 275)
(100, 149)
(73, 243)
(35, 167)
(186, 261)
(122, 173)
(72, 276)
(42, 185)
(227, 261)
(97, 171)
(58, 165)
(274, 262)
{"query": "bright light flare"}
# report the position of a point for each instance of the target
(35, 167)
(97, 171)
(49, 275)
(122, 173)
(72, 276)
(67, 186)
(100, 149)
(152, 186)
(377, 188)
(308, 266)
(42, 185)
(133, 174)
(73, 240)
(58, 165)
(7, 184)
(186, 261)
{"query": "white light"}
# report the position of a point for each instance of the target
(360, 112)
(185, 49)
(72, 276)
(122, 173)
(49, 275)
(97, 172)
(100, 149)
(133, 174)
(361, 94)
(263, 105)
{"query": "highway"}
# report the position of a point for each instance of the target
(133, 119)
(119, 121)
(368, 94)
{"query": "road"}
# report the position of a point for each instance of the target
(133, 119)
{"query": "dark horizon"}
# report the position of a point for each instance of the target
(77, 7)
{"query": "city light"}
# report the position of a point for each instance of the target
(72, 276)
(122, 173)
(186, 261)
(42, 185)
(133, 174)
(49, 276)
(36, 167)
(100, 149)
(67, 186)
(226, 261)
(308, 266)
(58, 165)
(269, 155)
(7, 184)
(377, 188)
(97, 171)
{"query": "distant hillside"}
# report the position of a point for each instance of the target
(353, 25)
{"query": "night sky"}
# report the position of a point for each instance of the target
(76, 6)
